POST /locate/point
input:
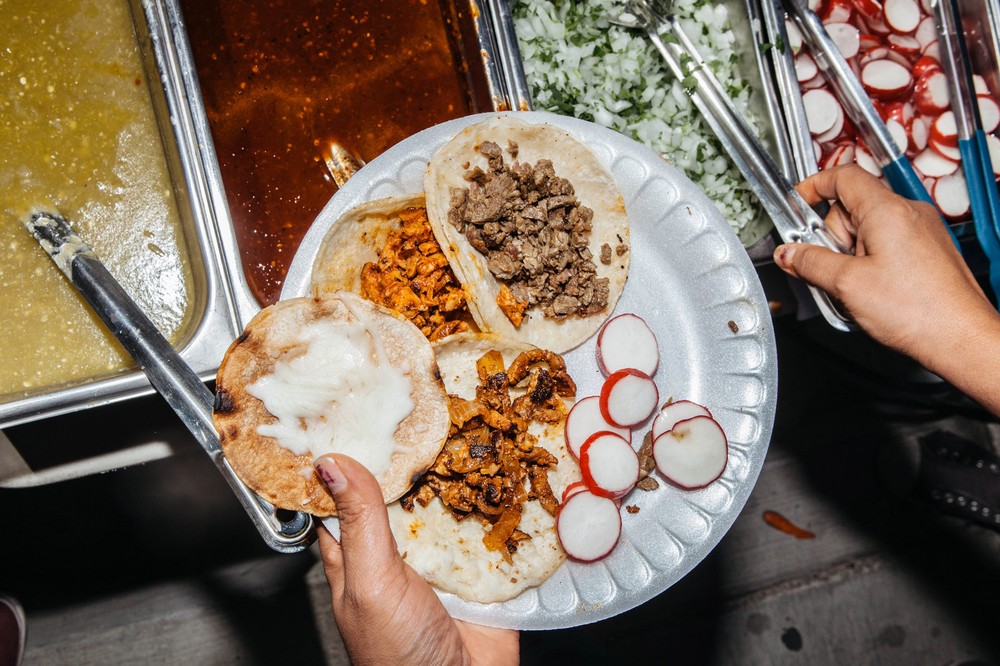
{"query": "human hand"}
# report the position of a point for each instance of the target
(386, 613)
(906, 284)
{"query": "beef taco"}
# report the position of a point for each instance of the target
(319, 375)
(481, 522)
(385, 251)
(535, 228)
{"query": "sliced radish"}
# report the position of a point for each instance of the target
(814, 5)
(877, 53)
(885, 79)
(925, 5)
(980, 85)
(867, 42)
(626, 341)
(925, 64)
(898, 133)
(588, 526)
(870, 8)
(900, 59)
(901, 15)
(865, 160)
(609, 465)
(794, 36)
(932, 51)
(952, 196)
(993, 144)
(931, 164)
(841, 154)
(815, 82)
(681, 410)
(836, 11)
(628, 397)
(930, 93)
(823, 111)
(899, 111)
(805, 67)
(989, 113)
(905, 45)
(917, 132)
(846, 37)
(573, 489)
(926, 31)
(817, 149)
(834, 132)
(693, 454)
(944, 130)
(584, 420)
(929, 185)
(944, 150)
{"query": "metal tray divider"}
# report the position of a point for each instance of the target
(508, 54)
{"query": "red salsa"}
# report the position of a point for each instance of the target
(282, 80)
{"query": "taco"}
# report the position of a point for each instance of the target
(534, 227)
(386, 252)
(318, 375)
(481, 522)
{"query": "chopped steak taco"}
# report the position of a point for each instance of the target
(535, 228)
(386, 252)
(481, 522)
(319, 375)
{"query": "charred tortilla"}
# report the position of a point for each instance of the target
(451, 554)
(452, 171)
(274, 472)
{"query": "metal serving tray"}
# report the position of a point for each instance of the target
(223, 300)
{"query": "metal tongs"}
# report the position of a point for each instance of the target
(283, 531)
(794, 219)
(984, 198)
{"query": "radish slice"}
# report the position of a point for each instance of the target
(879, 53)
(868, 42)
(584, 420)
(885, 79)
(625, 341)
(933, 51)
(925, 5)
(931, 164)
(841, 154)
(989, 113)
(949, 152)
(917, 131)
(869, 8)
(681, 410)
(865, 160)
(805, 67)
(588, 526)
(901, 15)
(930, 93)
(628, 397)
(836, 11)
(925, 64)
(573, 489)
(834, 132)
(898, 132)
(980, 85)
(952, 196)
(794, 36)
(609, 465)
(926, 31)
(944, 131)
(846, 37)
(693, 454)
(905, 45)
(993, 144)
(822, 111)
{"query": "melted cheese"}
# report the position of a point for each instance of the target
(335, 391)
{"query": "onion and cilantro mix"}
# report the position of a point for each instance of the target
(578, 64)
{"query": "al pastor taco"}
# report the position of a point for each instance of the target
(329, 375)
(481, 522)
(534, 227)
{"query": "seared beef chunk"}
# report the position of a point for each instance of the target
(534, 233)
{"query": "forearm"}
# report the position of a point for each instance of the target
(968, 357)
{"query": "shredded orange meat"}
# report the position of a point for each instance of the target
(412, 277)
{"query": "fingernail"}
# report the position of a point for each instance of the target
(783, 255)
(331, 474)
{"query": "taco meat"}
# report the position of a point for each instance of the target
(534, 234)
(412, 277)
(490, 464)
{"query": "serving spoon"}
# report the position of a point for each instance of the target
(170, 375)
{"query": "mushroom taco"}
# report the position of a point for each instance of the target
(481, 523)
(535, 228)
(336, 374)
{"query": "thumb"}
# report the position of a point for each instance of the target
(816, 265)
(367, 550)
